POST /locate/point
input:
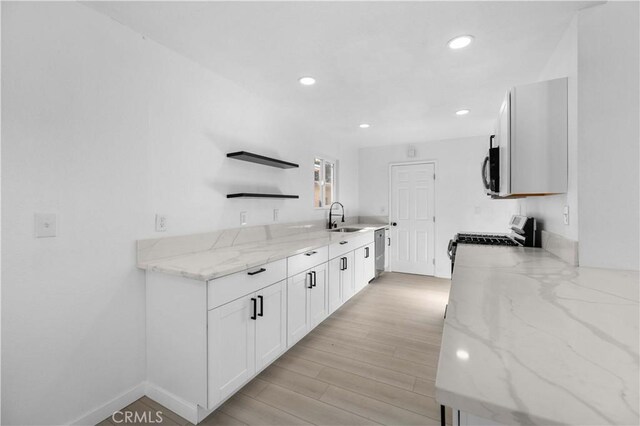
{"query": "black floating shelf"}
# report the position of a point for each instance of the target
(254, 195)
(261, 159)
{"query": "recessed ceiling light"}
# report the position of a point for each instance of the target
(364, 126)
(460, 42)
(462, 112)
(307, 81)
(462, 354)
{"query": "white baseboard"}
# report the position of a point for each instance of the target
(176, 404)
(99, 414)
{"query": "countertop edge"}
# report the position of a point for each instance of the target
(156, 266)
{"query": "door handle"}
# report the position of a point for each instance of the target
(366, 252)
(259, 271)
(253, 301)
(310, 280)
(389, 241)
(342, 259)
(311, 253)
(343, 242)
(346, 264)
(313, 282)
(261, 306)
(394, 223)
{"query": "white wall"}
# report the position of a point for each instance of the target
(106, 128)
(608, 154)
(548, 210)
(461, 204)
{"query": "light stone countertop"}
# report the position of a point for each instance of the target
(215, 263)
(529, 339)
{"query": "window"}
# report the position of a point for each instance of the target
(324, 182)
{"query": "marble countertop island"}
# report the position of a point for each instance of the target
(203, 260)
(529, 339)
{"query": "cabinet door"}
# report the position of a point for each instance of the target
(318, 295)
(369, 263)
(348, 285)
(358, 268)
(271, 325)
(231, 347)
(387, 242)
(297, 307)
(334, 287)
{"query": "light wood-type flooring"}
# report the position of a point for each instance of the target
(373, 361)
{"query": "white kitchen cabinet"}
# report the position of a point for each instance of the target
(358, 269)
(370, 262)
(297, 306)
(271, 324)
(348, 284)
(334, 285)
(318, 296)
(231, 347)
(306, 302)
(363, 266)
(532, 140)
(245, 336)
(341, 282)
(205, 340)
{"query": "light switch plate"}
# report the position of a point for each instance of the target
(45, 225)
(161, 223)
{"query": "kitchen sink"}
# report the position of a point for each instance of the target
(346, 230)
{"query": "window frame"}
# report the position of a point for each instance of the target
(324, 159)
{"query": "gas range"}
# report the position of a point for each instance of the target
(486, 239)
(523, 234)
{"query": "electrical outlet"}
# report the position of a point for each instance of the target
(276, 213)
(243, 218)
(565, 215)
(161, 223)
(46, 224)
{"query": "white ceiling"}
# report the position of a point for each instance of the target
(383, 63)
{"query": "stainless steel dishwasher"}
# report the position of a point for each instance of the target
(380, 251)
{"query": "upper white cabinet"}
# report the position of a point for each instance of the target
(531, 137)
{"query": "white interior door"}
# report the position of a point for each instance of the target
(412, 210)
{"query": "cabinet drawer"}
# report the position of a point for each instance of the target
(231, 287)
(303, 261)
(348, 244)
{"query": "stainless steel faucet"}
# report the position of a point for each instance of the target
(331, 223)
